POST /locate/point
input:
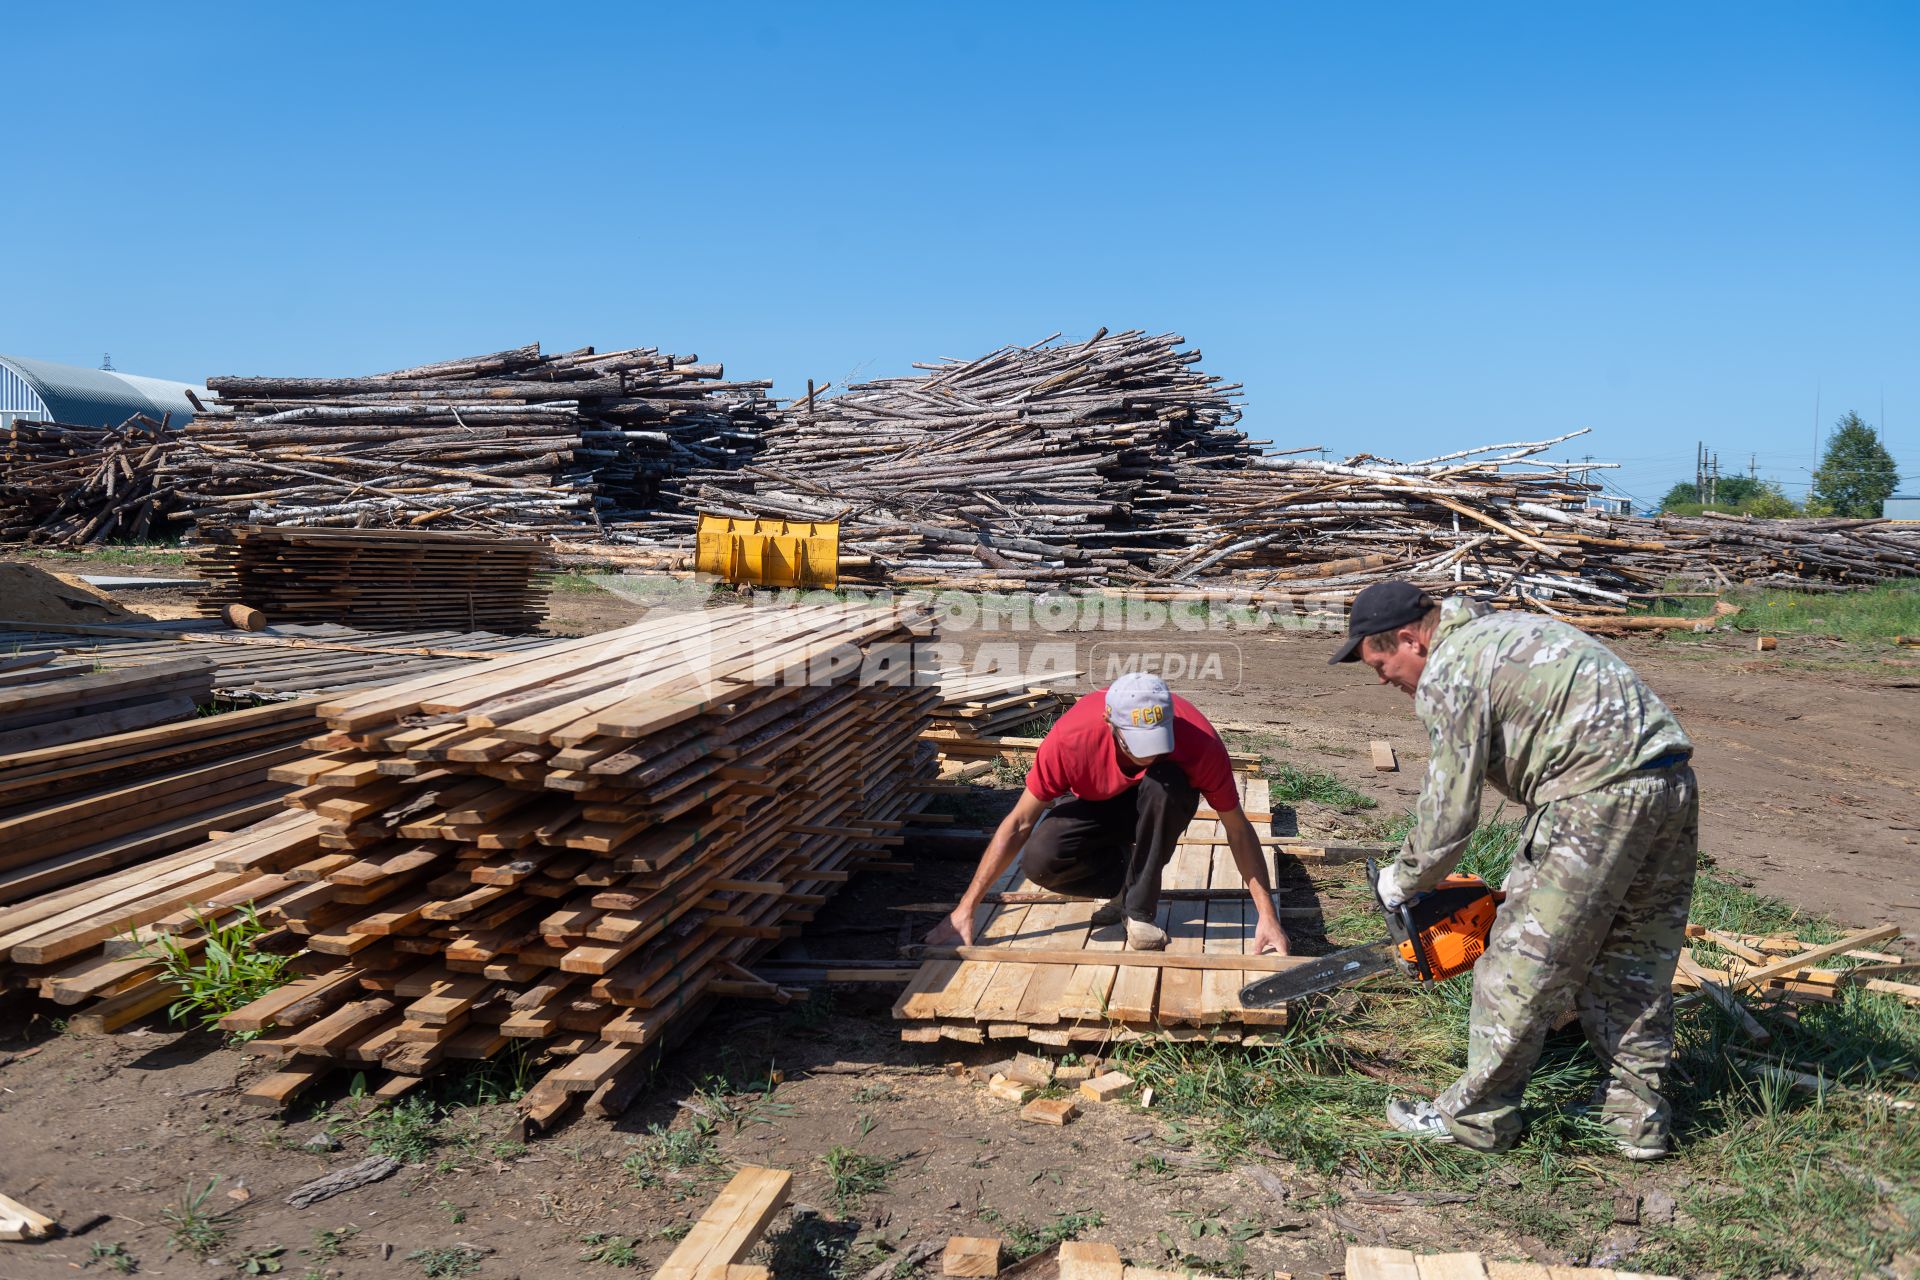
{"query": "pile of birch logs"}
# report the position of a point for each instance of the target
(566, 848)
(1047, 465)
(394, 579)
(72, 485)
(512, 440)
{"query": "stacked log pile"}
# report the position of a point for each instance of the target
(511, 440)
(1049, 465)
(376, 578)
(67, 485)
(567, 848)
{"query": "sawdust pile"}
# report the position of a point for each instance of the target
(31, 594)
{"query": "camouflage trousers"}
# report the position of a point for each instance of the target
(1596, 914)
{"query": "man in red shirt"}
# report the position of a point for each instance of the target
(1135, 761)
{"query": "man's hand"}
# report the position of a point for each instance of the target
(1392, 892)
(1271, 937)
(955, 931)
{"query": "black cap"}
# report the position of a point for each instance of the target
(1383, 606)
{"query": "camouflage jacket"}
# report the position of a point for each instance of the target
(1538, 708)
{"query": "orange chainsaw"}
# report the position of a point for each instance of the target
(1432, 936)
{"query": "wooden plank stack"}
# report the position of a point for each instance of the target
(69, 485)
(1044, 465)
(93, 805)
(513, 440)
(570, 846)
(376, 578)
(1369, 1263)
(982, 706)
(45, 703)
(289, 661)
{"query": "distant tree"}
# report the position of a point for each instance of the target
(1857, 474)
(1686, 493)
(1769, 502)
(1731, 491)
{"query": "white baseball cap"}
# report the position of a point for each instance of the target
(1140, 706)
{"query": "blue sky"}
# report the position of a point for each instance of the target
(1405, 228)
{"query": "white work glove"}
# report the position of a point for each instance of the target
(1392, 892)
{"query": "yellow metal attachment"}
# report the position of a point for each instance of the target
(769, 553)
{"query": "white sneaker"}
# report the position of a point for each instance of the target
(1637, 1151)
(1145, 935)
(1110, 912)
(1418, 1117)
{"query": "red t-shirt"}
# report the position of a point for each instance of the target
(1078, 755)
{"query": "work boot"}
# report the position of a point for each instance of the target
(1145, 935)
(1109, 912)
(1418, 1117)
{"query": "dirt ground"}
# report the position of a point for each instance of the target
(1809, 775)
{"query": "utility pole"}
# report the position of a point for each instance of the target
(1753, 466)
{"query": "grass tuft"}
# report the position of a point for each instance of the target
(855, 1176)
(192, 1226)
(1288, 784)
(226, 974)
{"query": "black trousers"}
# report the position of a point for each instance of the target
(1115, 848)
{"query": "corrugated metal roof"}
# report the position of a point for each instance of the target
(100, 397)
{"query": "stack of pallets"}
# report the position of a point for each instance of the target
(379, 578)
(568, 847)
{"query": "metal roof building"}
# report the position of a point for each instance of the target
(1901, 506)
(49, 392)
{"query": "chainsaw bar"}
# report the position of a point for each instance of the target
(1323, 974)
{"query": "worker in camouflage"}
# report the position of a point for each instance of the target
(1597, 897)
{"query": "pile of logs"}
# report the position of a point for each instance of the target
(71, 485)
(1049, 465)
(395, 579)
(568, 847)
(512, 440)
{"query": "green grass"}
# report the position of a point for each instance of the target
(855, 1176)
(446, 1261)
(114, 1257)
(192, 1226)
(615, 1251)
(1767, 1182)
(664, 1152)
(1289, 784)
(226, 974)
(1023, 1239)
(1871, 617)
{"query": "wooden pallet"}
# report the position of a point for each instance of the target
(1111, 995)
(377, 578)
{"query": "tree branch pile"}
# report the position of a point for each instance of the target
(1502, 523)
(514, 439)
(1045, 465)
